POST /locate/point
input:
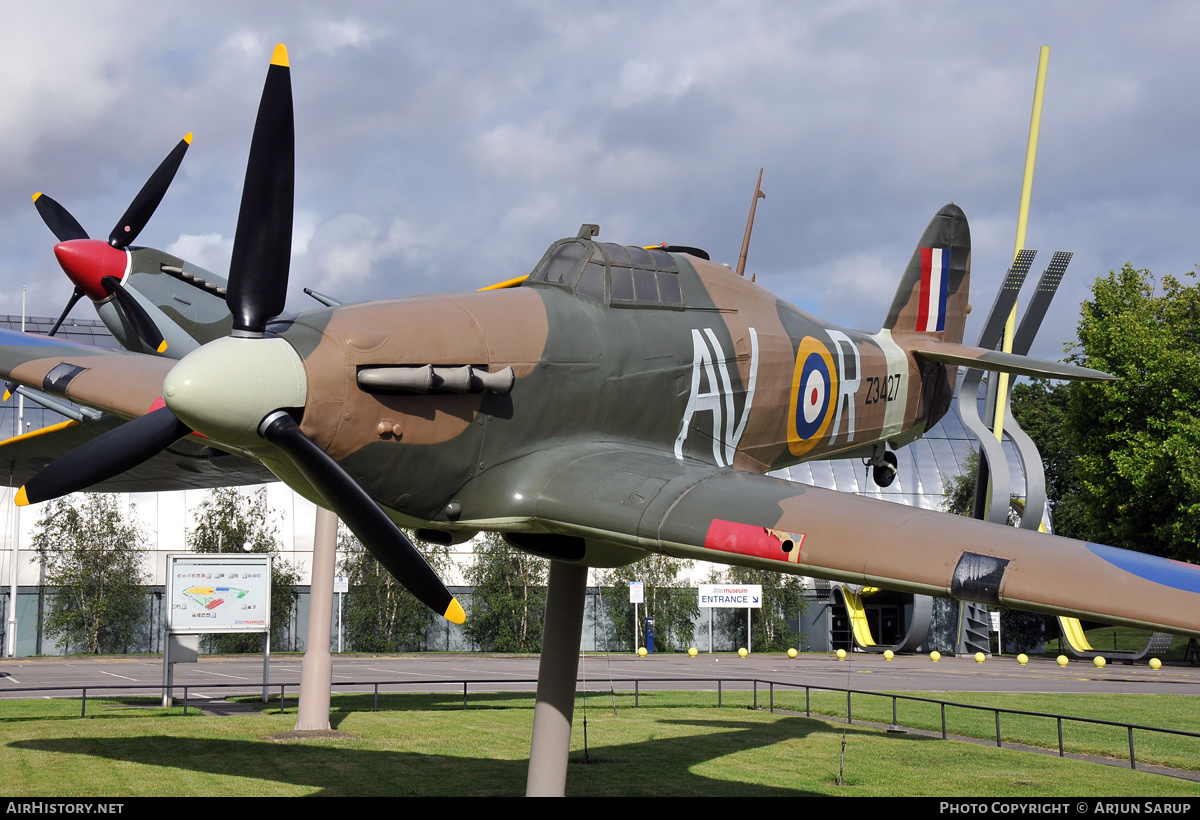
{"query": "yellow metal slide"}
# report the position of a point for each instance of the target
(858, 615)
(1072, 630)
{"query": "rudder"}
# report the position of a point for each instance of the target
(932, 297)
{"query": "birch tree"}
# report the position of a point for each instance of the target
(94, 580)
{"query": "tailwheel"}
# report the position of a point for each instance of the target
(885, 473)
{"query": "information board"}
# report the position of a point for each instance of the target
(218, 592)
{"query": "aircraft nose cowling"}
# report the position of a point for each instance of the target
(87, 261)
(225, 388)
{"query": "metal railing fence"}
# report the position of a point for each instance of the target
(503, 685)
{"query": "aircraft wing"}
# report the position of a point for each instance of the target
(186, 465)
(638, 499)
(125, 385)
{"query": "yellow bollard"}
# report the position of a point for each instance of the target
(935, 656)
(1062, 660)
(1022, 659)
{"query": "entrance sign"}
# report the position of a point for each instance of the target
(728, 596)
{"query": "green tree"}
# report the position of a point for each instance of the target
(231, 521)
(782, 604)
(380, 614)
(1138, 438)
(509, 600)
(672, 608)
(958, 493)
(1042, 410)
(93, 573)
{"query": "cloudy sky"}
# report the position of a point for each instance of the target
(443, 146)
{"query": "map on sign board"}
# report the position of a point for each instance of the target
(219, 593)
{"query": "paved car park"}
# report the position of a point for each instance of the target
(212, 677)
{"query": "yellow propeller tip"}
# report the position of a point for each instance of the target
(188, 137)
(162, 347)
(35, 196)
(454, 613)
(279, 57)
(7, 395)
(21, 499)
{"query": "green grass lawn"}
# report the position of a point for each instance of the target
(675, 744)
(1170, 711)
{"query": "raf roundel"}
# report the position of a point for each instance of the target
(814, 388)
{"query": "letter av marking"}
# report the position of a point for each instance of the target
(713, 393)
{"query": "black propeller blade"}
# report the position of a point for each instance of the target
(105, 456)
(58, 219)
(378, 533)
(137, 316)
(258, 278)
(142, 208)
(262, 244)
(62, 317)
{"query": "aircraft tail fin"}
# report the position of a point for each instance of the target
(932, 297)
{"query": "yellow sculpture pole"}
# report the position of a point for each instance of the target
(1022, 219)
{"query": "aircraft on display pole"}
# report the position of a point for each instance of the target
(618, 401)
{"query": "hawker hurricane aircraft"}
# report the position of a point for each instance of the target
(618, 401)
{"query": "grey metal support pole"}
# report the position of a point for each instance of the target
(168, 674)
(316, 670)
(557, 670)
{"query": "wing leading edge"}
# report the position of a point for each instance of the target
(600, 495)
(126, 385)
(185, 465)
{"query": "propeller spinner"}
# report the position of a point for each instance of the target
(244, 389)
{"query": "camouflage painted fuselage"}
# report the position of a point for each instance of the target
(720, 379)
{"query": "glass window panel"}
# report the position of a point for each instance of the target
(662, 260)
(591, 283)
(622, 285)
(644, 287)
(822, 474)
(845, 475)
(668, 289)
(562, 266)
(639, 257)
(616, 254)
